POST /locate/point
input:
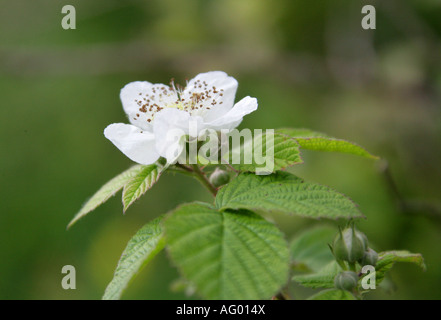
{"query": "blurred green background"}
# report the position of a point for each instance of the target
(309, 63)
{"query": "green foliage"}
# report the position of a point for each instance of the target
(135, 181)
(322, 77)
(310, 251)
(322, 279)
(318, 141)
(144, 245)
(333, 294)
(106, 191)
(226, 251)
(284, 152)
(140, 183)
(284, 192)
(387, 259)
(227, 255)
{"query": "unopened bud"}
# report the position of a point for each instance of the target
(350, 245)
(219, 178)
(346, 280)
(370, 258)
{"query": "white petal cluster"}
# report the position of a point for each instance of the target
(156, 110)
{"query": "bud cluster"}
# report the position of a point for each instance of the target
(351, 246)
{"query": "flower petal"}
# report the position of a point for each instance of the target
(223, 89)
(234, 117)
(136, 144)
(170, 126)
(141, 99)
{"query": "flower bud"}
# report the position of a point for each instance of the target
(219, 178)
(162, 161)
(350, 245)
(346, 280)
(370, 258)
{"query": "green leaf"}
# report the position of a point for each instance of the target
(333, 294)
(310, 251)
(227, 255)
(387, 259)
(144, 245)
(322, 279)
(321, 142)
(283, 152)
(140, 183)
(284, 192)
(107, 191)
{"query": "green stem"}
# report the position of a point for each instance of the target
(357, 294)
(203, 179)
(183, 167)
(352, 266)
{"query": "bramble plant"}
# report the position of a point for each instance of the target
(226, 249)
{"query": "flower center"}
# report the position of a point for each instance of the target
(197, 98)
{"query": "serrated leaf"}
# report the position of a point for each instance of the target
(266, 153)
(310, 251)
(318, 141)
(387, 259)
(322, 279)
(227, 255)
(286, 193)
(106, 191)
(144, 245)
(333, 294)
(140, 183)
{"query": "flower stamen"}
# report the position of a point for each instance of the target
(195, 99)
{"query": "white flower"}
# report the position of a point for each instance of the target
(155, 110)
